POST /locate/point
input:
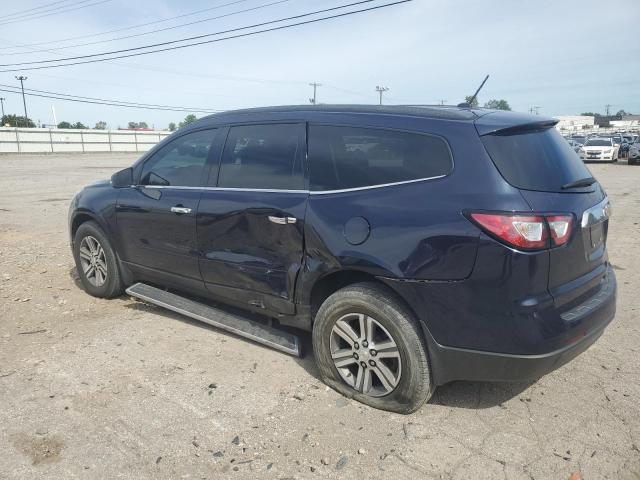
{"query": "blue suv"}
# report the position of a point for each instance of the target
(420, 245)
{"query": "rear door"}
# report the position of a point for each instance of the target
(251, 218)
(156, 218)
(538, 161)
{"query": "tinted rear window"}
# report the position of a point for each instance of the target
(535, 160)
(352, 157)
(263, 157)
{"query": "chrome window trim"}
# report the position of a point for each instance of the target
(273, 190)
(222, 189)
(368, 187)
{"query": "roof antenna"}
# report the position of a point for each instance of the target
(469, 104)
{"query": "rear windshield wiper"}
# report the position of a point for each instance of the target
(583, 182)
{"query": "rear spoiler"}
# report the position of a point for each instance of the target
(508, 123)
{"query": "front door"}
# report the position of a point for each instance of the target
(156, 219)
(251, 221)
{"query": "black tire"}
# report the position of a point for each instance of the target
(414, 387)
(113, 285)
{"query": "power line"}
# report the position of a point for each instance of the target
(101, 99)
(46, 5)
(113, 52)
(113, 103)
(258, 7)
(131, 27)
(56, 12)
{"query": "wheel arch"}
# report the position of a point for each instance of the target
(331, 282)
(83, 216)
(80, 217)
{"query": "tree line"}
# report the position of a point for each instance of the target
(25, 122)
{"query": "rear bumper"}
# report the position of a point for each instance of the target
(593, 314)
(450, 363)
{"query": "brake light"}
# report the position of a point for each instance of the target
(526, 232)
(560, 228)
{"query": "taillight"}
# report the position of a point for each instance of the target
(526, 232)
(560, 228)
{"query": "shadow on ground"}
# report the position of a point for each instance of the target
(469, 395)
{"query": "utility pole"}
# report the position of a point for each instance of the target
(380, 91)
(315, 86)
(607, 107)
(2, 99)
(442, 102)
(22, 78)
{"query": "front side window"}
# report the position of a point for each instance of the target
(180, 163)
(263, 157)
(353, 157)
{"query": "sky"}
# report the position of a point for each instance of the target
(564, 57)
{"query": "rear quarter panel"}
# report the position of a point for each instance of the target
(417, 230)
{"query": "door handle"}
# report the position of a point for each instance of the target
(282, 220)
(180, 210)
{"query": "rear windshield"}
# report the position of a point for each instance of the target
(535, 159)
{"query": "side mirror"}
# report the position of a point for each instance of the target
(123, 178)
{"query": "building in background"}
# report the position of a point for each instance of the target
(575, 123)
(627, 122)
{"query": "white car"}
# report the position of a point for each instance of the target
(597, 148)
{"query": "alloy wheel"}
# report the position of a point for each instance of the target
(93, 261)
(365, 355)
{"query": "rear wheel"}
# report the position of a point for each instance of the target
(96, 262)
(370, 348)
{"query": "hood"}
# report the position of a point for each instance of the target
(100, 183)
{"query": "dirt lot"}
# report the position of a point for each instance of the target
(93, 389)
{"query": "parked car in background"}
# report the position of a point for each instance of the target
(634, 153)
(579, 139)
(418, 245)
(599, 148)
(624, 148)
(575, 145)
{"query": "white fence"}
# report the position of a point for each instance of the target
(43, 140)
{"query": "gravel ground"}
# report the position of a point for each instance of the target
(94, 388)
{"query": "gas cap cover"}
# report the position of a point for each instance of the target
(357, 230)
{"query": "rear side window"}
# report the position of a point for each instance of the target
(179, 163)
(352, 157)
(535, 160)
(264, 157)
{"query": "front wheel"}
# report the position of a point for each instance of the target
(369, 347)
(96, 262)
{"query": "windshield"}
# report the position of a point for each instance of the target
(598, 142)
(535, 159)
(578, 139)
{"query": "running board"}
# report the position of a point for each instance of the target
(269, 336)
